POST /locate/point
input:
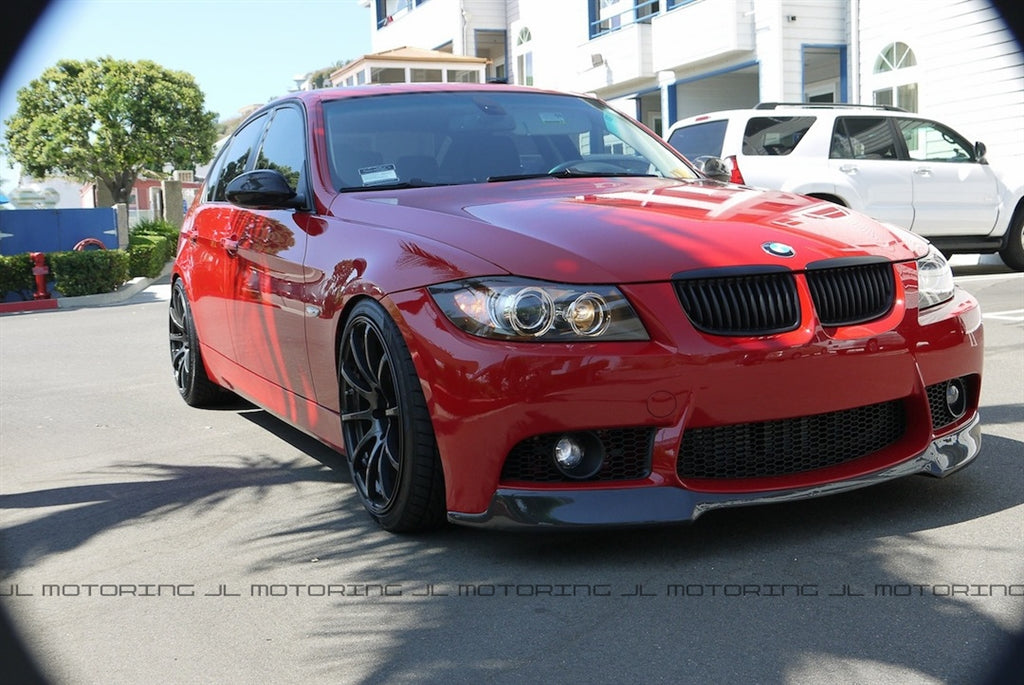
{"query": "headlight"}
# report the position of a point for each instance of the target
(934, 279)
(518, 309)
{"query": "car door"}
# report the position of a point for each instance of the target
(954, 194)
(866, 154)
(211, 235)
(267, 310)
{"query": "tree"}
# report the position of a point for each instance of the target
(106, 120)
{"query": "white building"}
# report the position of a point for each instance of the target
(661, 60)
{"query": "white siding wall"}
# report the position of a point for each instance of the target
(816, 22)
(437, 22)
(558, 27)
(727, 91)
(970, 71)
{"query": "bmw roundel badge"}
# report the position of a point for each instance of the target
(778, 249)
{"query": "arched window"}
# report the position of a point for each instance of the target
(524, 57)
(895, 77)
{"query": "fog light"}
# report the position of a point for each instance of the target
(568, 453)
(956, 397)
(578, 456)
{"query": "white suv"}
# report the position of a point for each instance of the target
(893, 165)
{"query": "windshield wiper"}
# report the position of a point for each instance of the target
(411, 183)
(567, 173)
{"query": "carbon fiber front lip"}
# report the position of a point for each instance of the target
(649, 506)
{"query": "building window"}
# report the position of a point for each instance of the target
(387, 75)
(425, 75)
(895, 77)
(611, 15)
(524, 58)
(389, 10)
(463, 76)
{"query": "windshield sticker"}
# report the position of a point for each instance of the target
(382, 173)
(552, 118)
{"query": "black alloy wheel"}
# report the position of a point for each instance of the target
(193, 384)
(387, 430)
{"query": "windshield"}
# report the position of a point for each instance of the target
(447, 138)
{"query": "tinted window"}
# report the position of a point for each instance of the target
(284, 147)
(699, 140)
(235, 158)
(774, 135)
(863, 138)
(928, 141)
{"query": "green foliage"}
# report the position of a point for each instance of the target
(88, 272)
(106, 120)
(156, 227)
(151, 244)
(16, 275)
(147, 259)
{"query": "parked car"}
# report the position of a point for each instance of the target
(511, 307)
(893, 165)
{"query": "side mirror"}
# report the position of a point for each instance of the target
(713, 167)
(979, 152)
(262, 189)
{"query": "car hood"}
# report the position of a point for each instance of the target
(632, 230)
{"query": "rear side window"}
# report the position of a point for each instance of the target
(774, 135)
(699, 140)
(863, 138)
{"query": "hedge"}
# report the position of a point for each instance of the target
(151, 244)
(88, 272)
(16, 276)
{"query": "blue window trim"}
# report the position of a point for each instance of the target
(595, 28)
(844, 67)
(381, 10)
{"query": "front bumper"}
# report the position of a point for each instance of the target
(645, 506)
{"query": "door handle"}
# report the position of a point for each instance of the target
(850, 169)
(923, 171)
(231, 245)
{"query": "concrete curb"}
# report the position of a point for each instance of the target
(123, 293)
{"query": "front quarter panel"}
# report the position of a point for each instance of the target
(361, 257)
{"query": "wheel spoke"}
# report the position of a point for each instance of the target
(371, 415)
(358, 415)
(178, 316)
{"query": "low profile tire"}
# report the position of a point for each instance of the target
(194, 385)
(1013, 253)
(387, 430)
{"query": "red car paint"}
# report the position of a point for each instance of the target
(270, 290)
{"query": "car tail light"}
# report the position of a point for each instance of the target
(735, 176)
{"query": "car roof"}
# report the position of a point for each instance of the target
(344, 92)
(767, 108)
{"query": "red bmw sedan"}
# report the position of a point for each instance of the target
(511, 307)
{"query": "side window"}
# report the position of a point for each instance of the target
(774, 135)
(863, 138)
(931, 142)
(284, 147)
(699, 140)
(234, 159)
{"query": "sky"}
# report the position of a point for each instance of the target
(241, 52)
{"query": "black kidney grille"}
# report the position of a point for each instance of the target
(853, 294)
(627, 457)
(788, 446)
(758, 304)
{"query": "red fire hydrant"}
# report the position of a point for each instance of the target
(39, 270)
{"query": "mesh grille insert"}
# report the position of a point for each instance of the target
(788, 446)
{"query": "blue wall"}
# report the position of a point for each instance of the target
(55, 230)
